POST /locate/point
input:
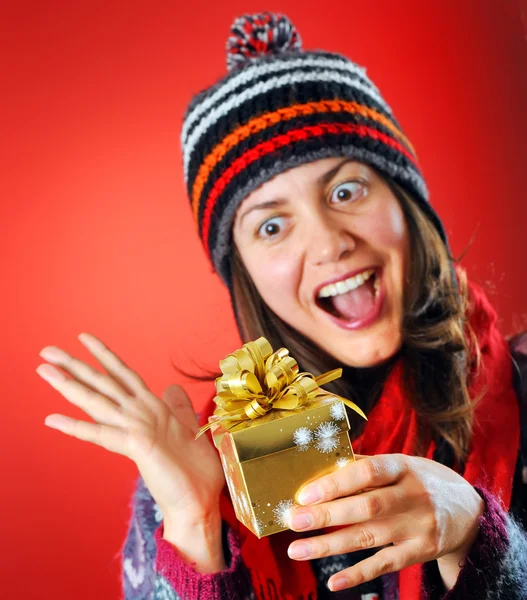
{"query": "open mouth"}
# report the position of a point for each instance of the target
(355, 301)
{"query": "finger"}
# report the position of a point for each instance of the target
(369, 472)
(375, 504)
(360, 457)
(121, 372)
(180, 404)
(78, 369)
(386, 560)
(349, 539)
(111, 438)
(98, 407)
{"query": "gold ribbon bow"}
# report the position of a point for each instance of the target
(256, 380)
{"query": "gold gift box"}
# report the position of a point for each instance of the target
(267, 461)
(276, 430)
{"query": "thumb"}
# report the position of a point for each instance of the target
(180, 404)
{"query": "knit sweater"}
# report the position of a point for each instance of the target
(154, 570)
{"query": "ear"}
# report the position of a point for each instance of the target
(180, 404)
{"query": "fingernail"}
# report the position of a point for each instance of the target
(309, 494)
(56, 421)
(337, 584)
(50, 373)
(300, 550)
(86, 339)
(52, 353)
(301, 521)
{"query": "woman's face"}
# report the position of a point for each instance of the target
(327, 246)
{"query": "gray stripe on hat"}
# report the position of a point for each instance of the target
(222, 244)
(264, 87)
(256, 70)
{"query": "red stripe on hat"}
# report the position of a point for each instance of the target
(279, 141)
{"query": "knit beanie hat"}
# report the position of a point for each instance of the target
(279, 107)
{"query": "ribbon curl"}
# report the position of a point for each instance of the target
(257, 380)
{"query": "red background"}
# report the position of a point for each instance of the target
(97, 236)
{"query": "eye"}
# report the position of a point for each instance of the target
(271, 228)
(347, 192)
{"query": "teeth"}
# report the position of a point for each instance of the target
(376, 287)
(342, 287)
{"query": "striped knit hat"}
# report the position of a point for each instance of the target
(277, 108)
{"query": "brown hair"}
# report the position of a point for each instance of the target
(439, 351)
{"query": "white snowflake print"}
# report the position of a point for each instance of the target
(326, 436)
(342, 462)
(158, 514)
(337, 411)
(136, 576)
(163, 589)
(327, 429)
(282, 512)
(302, 437)
(327, 445)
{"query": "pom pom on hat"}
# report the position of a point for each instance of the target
(254, 36)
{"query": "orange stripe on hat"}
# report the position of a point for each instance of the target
(272, 118)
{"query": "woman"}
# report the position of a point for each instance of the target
(312, 208)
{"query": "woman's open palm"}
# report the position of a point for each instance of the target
(183, 475)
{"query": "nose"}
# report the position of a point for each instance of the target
(327, 241)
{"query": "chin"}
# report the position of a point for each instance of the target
(367, 353)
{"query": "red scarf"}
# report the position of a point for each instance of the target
(392, 428)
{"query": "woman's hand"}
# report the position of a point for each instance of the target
(426, 510)
(183, 475)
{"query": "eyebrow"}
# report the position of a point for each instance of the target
(263, 206)
(323, 179)
(330, 174)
